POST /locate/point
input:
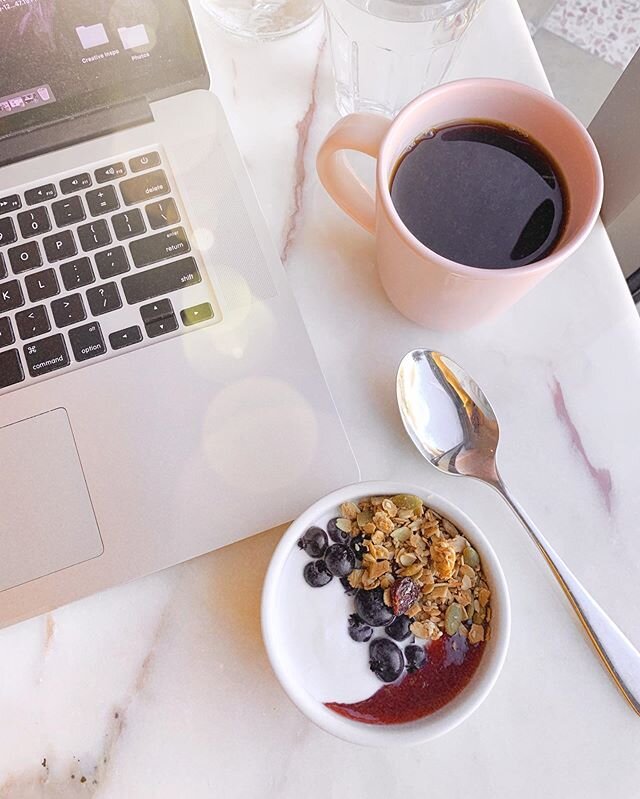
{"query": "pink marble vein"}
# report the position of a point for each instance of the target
(234, 79)
(602, 477)
(300, 172)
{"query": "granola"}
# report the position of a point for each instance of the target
(426, 567)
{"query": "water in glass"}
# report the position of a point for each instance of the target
(262, 19)
(386, 52)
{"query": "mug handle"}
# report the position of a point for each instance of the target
(363, 133)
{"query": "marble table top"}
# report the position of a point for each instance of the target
(162, 688)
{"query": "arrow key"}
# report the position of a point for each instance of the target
(161, 326)
(158, 318)
(125, 338)
(196, 314)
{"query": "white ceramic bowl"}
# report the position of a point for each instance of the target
(451, 714)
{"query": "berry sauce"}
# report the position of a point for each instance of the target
(451, 663)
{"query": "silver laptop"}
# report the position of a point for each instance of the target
(159, 396)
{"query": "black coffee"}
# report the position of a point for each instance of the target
(481, 194)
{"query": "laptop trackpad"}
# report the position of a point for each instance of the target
(47, 521)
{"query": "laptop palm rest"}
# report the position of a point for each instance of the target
(47, 522)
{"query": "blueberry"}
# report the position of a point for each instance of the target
(358, 629)
(416, 657)
(399, 628)
(357, 545)
(317, 574)
(348, 588)
(336, 534)
(385, 659)
(340, 560)
(370, 606)
(314, 542)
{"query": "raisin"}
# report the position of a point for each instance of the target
(404, 594)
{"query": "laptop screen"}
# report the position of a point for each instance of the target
(64, 57)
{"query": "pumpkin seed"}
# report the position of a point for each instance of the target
(408, 502)
(453, 618)
(471, 557)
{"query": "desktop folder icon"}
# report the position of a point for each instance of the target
(92, 35)
(135, 36)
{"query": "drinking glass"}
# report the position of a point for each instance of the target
(262, 19)
(386, 52)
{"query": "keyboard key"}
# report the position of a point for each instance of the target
(69, 211)
(46, 355)
(33, 322)
(112, 262)
(94, 235)
(102, 201)
(111, 172)
(104, 299)
(42, 285)
(156, 310)
(68, 310)
(39, 195)
(163, 213)
(145, 187)
(146, 161)
(162, 326)
(75, 183)
(159, 247)
(3, 267)
(34, 222)
(87, 342)
(11, 296)
(196, 314)
(7, 231)
(6, 332)
(129, 224)
(158, 318)
(77, 274)
(126, 337)
(25, 256)
(160, 280)
(60, 246)
(10, 368)
(10, 203)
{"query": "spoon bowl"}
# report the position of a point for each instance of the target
(447, 415)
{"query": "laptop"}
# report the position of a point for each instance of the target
(159, 395)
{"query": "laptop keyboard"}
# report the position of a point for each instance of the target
(94, 264)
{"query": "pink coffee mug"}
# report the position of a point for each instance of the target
(426, 287)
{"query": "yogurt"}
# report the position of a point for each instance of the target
(332, 666)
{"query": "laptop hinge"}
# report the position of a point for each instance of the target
(74, 129)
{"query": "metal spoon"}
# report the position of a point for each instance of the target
(455, 428)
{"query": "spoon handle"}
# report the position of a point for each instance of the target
(618, 654)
